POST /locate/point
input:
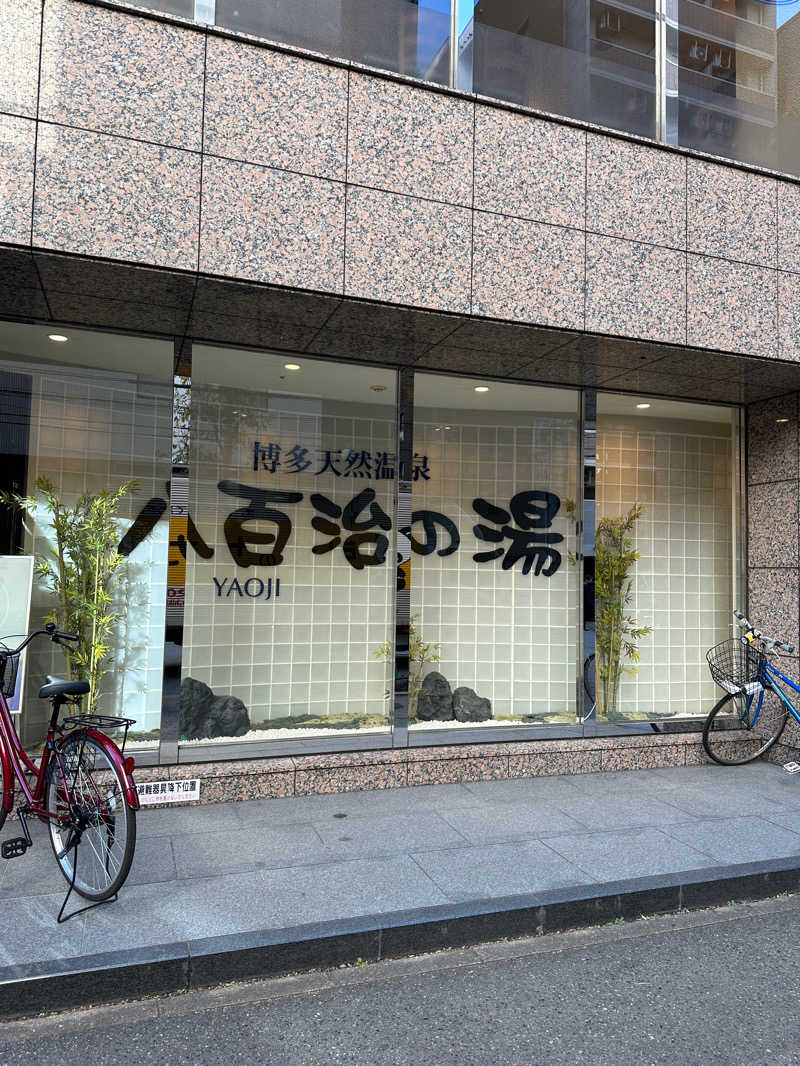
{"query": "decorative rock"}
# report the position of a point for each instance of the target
(468, 706)
(204, 715)
(435, 700)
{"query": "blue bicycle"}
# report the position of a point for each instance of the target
(752, 714)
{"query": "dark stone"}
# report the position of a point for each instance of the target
(468, 706)
(435, 701)
(204, 715)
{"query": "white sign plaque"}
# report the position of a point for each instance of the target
(151, 792)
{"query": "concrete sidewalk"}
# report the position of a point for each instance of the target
(245, 889)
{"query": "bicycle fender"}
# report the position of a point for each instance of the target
(115, 755)
(9, 781)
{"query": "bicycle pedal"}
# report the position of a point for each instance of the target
(12, 849)
(792, 767)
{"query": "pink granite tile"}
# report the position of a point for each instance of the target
(772, 602)
(271, 226)
(536, 747)
(409, 251)
(789, 316)
(389, 757)
(731, 213)
(772, 524)
(20, 31)
(635, 192)
(772, 445)
(554, 763)
(788, 226)
(695, 755)
(17, 140)
(643, 758)
(240, 787)
(274, 109)
(408, 140)
(635, 289)
(527, 271)
(456, 751)
(349, 779)
(236, 768)
(731, 306)
(117, 73)
(529, 168)
(451, 771)
(116, 199)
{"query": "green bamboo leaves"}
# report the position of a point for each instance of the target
(79, 570)
(616, 632)
(419, 653)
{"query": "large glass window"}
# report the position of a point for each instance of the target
(494, 580)
(81, 416)
(290, 572)
(676, 463)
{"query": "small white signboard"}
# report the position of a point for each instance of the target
(151, 792)
(16, 581)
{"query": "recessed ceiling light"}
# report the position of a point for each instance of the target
(642, 406)
(781, 419)
(59, 338)
(446, 427)
(291, 366)
(481, 388)
(378, 388)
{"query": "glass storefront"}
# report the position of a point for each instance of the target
(259, 541)
(493, 590)
(82, 417)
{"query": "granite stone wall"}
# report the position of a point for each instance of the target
(159, 143)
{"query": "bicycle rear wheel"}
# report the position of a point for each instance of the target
(731, 738)
(90, 798)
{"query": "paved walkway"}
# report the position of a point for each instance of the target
(358, 857)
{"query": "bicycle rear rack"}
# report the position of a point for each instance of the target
(104, 722)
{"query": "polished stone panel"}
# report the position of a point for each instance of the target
(447, 358)
(731, 213)
(248, 300)
(507, 338)
(772, 602)
(529, 168)
(119, 199)
(788, 226)
(17, 140)
(271, 226)
(635, 289)
(788, 316)
(21, 294)
(421, 328)
(408, 140)
(772, 439)
(20, 32)
(731, 306)
(527, 271)
(274, 109)
(635, 192)
(772, 524)
(261, 332)
(366, 347)
(407, 251)
(110, 280)
(116, 73)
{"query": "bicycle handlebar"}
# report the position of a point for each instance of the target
(770, 643)
(56, 635)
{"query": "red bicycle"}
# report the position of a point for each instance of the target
(82, 787)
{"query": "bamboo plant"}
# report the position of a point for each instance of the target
(616, 632)
(79, 570)
(419, 653)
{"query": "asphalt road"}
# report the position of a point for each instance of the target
(714, 986)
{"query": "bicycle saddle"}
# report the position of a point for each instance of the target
(56, 687)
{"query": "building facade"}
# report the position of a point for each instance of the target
(381, 312)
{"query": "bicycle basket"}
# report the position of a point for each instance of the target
(734, 665)
(9, 664)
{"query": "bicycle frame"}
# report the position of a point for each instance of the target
(16, 765)
(768, 677)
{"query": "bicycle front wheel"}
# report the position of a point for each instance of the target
(736, 732)
(87, 792)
